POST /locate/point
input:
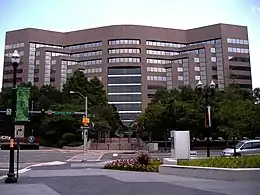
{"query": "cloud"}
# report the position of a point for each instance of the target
(255, 9)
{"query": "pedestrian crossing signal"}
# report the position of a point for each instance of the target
(85, 121)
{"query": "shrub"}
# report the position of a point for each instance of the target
(225, 162)
(68, 138)
(143, 158)
(133, 165)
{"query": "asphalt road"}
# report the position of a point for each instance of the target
(202, 153)
(30, 157)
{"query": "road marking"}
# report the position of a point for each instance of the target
(26, 169)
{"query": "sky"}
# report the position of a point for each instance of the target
(68, 15)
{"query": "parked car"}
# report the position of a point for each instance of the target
(244, 147)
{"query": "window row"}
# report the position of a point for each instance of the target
(124, 89)
(87, 54)
(86, 45)
(165, 44)
(124, 42)
(124, 71)
(127, 50)
(157, 61)
(161, 52)
(238, 59)
(215, 41)
(181, 61)
(92, 70)
(181, 78)
(69, 63)
(155, 69)
(124, 60)
(90, 62)
(128, 107)
(156, 78)
(128, 116)
(21, 53)
(124, 98)
(123, 80)
(237, 41)
(36, 45)
(14, 46)
(237, 50)
(54, 54)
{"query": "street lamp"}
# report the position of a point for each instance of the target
(207, 94)
(86, 113)
(11, 178)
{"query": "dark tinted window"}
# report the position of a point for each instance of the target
(120, 89)
(247, 146)
(256, 144)
(244, 68)
(128, 116)
(124, 98)
(123, 71)
(245, 86)
(214, 67)
(155, 87)
(128, 107)
(244, 77)
(240, 59)
(123, 80)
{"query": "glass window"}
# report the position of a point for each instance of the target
(197, 60)
(124, 71)
(180, 78)
(128, 107)
(247, 146)
(197, 78)
(124, 80)
(213, 59)
(256, 144)
(213, 50)
(196, 68)
(124, 98)
(124, 89)
(179, 69)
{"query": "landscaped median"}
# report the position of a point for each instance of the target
(219, 168)
(141, 163)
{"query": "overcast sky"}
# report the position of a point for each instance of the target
(67, 15)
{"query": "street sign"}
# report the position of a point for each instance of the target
(31, 139)
(19, 131)
(62, 113)
(8, 111)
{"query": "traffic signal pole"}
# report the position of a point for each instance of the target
(85, 146)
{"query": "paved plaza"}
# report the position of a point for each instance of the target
(67, 179)
(79, 174)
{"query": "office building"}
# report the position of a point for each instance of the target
(132, 61)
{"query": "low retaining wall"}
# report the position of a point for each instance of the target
(226, 174)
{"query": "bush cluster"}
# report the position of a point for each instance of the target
(141, 163)
(225, 162)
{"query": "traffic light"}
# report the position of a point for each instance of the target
(85, 121)
(43, 112)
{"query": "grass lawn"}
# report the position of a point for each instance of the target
(225, 162)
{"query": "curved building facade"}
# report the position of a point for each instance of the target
(132, 61)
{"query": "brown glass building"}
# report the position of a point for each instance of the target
(132, 61)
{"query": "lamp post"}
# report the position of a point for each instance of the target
(11, 178)
(207, 94)
(85, 136)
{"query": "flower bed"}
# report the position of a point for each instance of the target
(133, 165)
(224, 162)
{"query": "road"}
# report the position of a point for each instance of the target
(30, 157)
(200, 153)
